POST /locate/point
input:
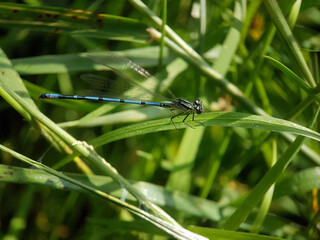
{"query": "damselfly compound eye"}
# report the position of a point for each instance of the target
(198, 106)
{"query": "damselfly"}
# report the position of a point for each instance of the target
(126, 70)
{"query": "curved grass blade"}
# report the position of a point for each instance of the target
(295, 79)
(226, 119)
(300, 183)
(255, 196)
(290, 42)
(173, 230)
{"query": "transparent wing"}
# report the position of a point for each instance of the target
(102, 86)
(142, 83)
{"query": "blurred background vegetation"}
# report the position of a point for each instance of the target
(198, 176)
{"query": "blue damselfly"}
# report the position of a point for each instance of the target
(184, 106)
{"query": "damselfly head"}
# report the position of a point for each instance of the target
(198, 106)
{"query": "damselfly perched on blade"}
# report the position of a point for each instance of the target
(128, 72)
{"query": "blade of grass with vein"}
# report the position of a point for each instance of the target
(164, 23)
(173, 230)
(255, 63)
(267, 198)
(75, 22)
(295, 79)
(63, 63)
(232, 40)
(159, 195)
(294, 13)
(218, 234)
(286, 33)
(255, 196)
(180, 179)
(93, 119)
(7, 75)
(202, 25)
(226, 119)
(215, 162)
(300, 183)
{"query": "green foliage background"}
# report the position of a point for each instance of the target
(252, 171)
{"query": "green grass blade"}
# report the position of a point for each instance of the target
(265, 183)
(295, 79)
(218, 234)
(267, 199)
(286, 33)
(173, 230)
(300, 183)
(157, 194)
(226, 119)
(181, 177)
(262, 187)
(78, 23)
(11, 79)
(63, 63)
(230, 45)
